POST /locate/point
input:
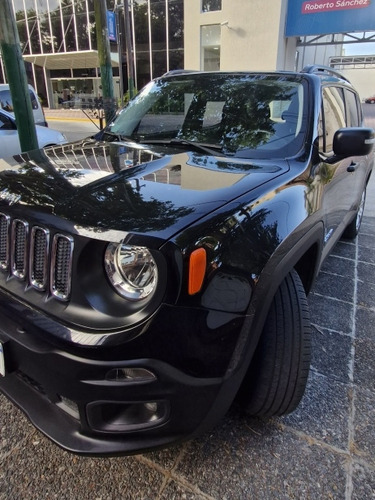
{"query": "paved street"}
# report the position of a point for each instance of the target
(324, 450)
(74, 123)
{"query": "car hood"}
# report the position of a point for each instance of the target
(126, 187)
(47, 136)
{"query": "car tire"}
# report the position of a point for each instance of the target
(352, 229)
(277, 377)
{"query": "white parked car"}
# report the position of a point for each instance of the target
(6, 104)
(9, 141)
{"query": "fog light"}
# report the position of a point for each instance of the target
(122, 417)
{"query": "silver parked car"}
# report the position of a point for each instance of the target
(6, 104)
(9, 140)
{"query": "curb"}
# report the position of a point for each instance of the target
(73, 119)
(71, 115)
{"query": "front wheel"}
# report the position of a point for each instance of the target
(277, 377)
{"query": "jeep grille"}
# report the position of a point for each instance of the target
(18, 254)
(31, 255)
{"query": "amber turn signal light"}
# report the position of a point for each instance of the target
(197, 270)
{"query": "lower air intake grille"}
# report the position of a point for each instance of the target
(29, 255)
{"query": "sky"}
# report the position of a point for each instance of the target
(360, 49)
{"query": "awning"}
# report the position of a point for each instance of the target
(69, 60)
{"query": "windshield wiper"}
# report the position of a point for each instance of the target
(210, 149)
(112, 137)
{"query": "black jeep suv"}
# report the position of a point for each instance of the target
(152, 274)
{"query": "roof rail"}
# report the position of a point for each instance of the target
(314, 68)
(179, 72)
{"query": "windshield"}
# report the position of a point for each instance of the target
(245, 116)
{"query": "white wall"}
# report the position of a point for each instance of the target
(252, 39)
(362, 79)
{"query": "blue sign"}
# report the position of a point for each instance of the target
(322, 17)
(111, 25)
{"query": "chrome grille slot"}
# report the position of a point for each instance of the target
(61, 266)
(29, 253)
(4, 241)
(39, 244)
(19, 248)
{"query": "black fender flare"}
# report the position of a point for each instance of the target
(269, 281)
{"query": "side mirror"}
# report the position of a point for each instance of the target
(7, 123)
(353, 141)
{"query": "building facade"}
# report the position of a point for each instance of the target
(58, 43)
(249, 35)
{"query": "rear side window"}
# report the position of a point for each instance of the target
(33, 98)
(7, 104)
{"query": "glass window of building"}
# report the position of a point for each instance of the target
(48, 26)
(209, 5)
(57, 27)
(158, 37)
(210, 47)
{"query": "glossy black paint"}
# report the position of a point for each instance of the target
(146, 211)
(136, 199)
(256, 218)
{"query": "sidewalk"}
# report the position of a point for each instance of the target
(76, 115)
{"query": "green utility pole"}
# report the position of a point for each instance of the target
(129, 50)
(16, 76)
(104, 53)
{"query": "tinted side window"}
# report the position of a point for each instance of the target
(7, 104)
(352, 109)
(33, 99)
(333, 116)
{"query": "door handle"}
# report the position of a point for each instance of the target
(352, 167)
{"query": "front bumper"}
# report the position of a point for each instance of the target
(74, 401)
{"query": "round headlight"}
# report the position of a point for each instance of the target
(131, 270)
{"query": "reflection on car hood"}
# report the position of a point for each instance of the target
(126, 187)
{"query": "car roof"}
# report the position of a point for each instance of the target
(325, 73)
(5, 86)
